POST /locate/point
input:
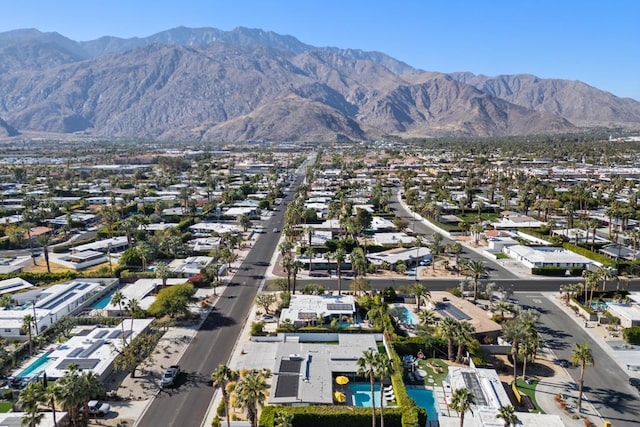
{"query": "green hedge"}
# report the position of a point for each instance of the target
(589, 254)
(549, 271)
(330, 416)
(632, 335)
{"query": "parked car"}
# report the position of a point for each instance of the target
(98, 408)
(170, 376)
(268, 319)
(275, 230)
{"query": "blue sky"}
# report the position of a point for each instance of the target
(597, 42)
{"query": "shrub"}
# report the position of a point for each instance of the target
(257, 328)
(632, 335)
(549, 271)
(455, 292)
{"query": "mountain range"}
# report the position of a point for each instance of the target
(205, 84)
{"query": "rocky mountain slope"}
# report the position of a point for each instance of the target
(207, 84)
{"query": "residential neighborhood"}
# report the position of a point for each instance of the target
(424, 286)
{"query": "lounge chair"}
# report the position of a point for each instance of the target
(388, 392)
(390, 397)
(389, 387)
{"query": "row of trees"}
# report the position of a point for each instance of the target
(245, 389)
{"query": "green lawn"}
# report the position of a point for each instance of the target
(530, 390)
(6, 407)
(438, 375)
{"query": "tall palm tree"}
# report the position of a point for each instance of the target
(91, 387)
(463, 334)
(446, 329)
(30, 399)
(461, 402)
(383, 369)
(221, 377)
(29, 322)
(118, 299)
(604, 273)
(44, 240)
(514, 332)
(531, 337)
(508, 415)
(71, 393)
(420, 291)
(53, 394)
(339, 255)
(367, 367)
(134, 309)
(583, 357)
(475, 269)
(250, 393)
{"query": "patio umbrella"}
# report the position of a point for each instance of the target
(342, 380)
(339, 397)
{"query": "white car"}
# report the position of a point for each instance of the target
(98, 408)
(170, 376)
(268, 319)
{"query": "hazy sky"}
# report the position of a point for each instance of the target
(597, 42)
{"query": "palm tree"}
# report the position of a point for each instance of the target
(514, 332)
(426, 317)
(383, 369)
(30, 399)
(463, 334)
(420, 292)
(461, 402)
(531, 338)
(71, 396)
(367, 367)
(250, 393)
(339, 256)
(28, 323)
(221, 377)
(53, 394)
(508, 415)
(118, 299)
(134, 309)
(283, 419)
(446, 329)
(582, 356)
(604, 273)
(44, 240)
(475, 269)
(91, 386)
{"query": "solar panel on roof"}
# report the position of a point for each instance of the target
(75, 352)
(92, 348)
(288, 382)
(84, 286)
(115, 334)
(339, 307)
(82, 363)
(456, 312)
(472, 383)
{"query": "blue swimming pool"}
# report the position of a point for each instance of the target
(362, 394)
(407, 314)
(35, 368)
(424, 398)
(103, 303)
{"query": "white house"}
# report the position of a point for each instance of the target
(546, 256)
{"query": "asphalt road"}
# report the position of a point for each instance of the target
(540, 285)
(187, 402)
(497, 270)
(605, 384)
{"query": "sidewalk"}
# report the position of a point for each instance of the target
(134, 395)
(561, 383)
